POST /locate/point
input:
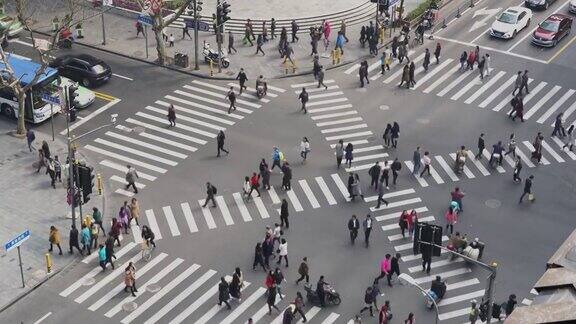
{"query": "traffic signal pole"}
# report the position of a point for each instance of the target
(196, 24)
(218, 37)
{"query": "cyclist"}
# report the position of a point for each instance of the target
(148, 235)
(420, 33)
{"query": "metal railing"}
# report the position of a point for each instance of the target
(443, 20)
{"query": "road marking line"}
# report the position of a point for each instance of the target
(326, 191)
(90, 116)
(114, 291)
(344, 128)
(532, 149)
(478, 164)
(341, 186)
(417, 256)
(189, 217)
(332, 108)
(244, 306)
(435, 175)
(124, 192)
(165, 131)
(135, 152)
(153, 224)
(124, 182)
(549, 149)
(498, 91)
(340, 114)
(171, 220)
(359, 167)
(276, 89)
(358, 142)
(147, 145)
(125, 159)
(195, 305)
(446, 274)
(446, 168)
(395, 226)
(479, 92)
(400, 70)
(169, 142)
(161, 293)
(556, 105)
(331, 318)
(242, 207)
(350, 135)
(224, 210)
(396, 215)
(20, 42)
(531, 95)
(442, 78)
(352, 68)
(526, 302)
(437, 264)
(467, 171)
(188, 119)
(341, 121)
(41, 319)
(310, 314)
(395, 204)
(368, 149)
(417, 176)
(498, 167)
(123, 169)
(462, 284)
(309, 84)
(474, 82)
(524, 158)
(181, 297)
(215, 309)
(562, 49)
(325, 94)
(224, 95)
(541, 102)
(508, 98)
(207, 214)
(201, 106)
(408, 246)
(274, 196)
(572, 155)
(225, 90)
(208, 100)
(391, 194)
(326, 102)
(309, 194)
(567, 112)
(179, 125)
(454, 83)
(260, 206)
(459, 298)
(269, 94)
(430, 74)
(294, 200)
(197, 113)
(453, 314)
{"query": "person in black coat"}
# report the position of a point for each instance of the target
(220, 141)
(353, 227)
(527, 187)
(267, 250)
(284, 214)
(74, 240)
(374, 173)
(395, 167)
(258, 257)
(271, 300)
(223, 293)
(395, 134)
(286, 177)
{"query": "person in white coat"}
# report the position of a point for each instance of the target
(282, 252)
(304, 149)
(488, 64)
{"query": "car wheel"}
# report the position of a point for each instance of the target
(514, 34)
(546, 5)
(8, 111)
(528, 22)
(555, 43)
(86, 82)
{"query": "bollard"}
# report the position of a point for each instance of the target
(471, 3)
(458, 13)
(211, 67)
(339, 55)
(382, 34)
(99, 184)
(285, 67)
(48, 262)
(334, 57)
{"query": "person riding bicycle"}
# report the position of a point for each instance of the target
(438, 287)
(148, 235)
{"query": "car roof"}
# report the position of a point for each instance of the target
(557, 17)
(91, 60)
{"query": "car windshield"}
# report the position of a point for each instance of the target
(98, 68)
(551, 26)
(507, 18)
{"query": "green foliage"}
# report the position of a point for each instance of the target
(419, 11)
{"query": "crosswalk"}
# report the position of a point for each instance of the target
(494, 92)
(189, 217)
(146, 141)
(337, 120)
(173, 290)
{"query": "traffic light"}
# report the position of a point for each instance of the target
(222, 12)
(428, 233)
(72, 93)
(86, 177)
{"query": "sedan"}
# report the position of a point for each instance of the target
(572, 6)
(538, 4)
(552, 30)
(510, 22)
(85, 96)
(85, 69)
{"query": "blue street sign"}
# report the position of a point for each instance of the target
(202, 26)
(146, 20)
(46, 97)
(393, 2)
(17, 241)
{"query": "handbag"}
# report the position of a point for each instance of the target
(531, 197)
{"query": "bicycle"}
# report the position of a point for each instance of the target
(146, 250)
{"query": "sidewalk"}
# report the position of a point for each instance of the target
(29, 202)
(121, 38)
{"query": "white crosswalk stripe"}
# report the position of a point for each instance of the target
(420, 180)
(453, 84)
(207, 215)
(171, 221)
(447, 168)
(474, 82)
(313, 90)
(396, 74)
(555, 107)
(508, 98)
(168, 142)
(498, 91)
(558, 142)
(294, 200)
(242, 207)
(310, 84)
(313, 97)
(442, 79)
(331, 108)
(189, 119)
(551, 151)
(147, 145)
(325, 102)
(340, 121)
(223, 94)
(135, 152)
(189, 217)
(467, 171)
(125, 159)
(340, 114)
(541, 102)
(153, 224)
(274, 196)
(221, 203)
(532, 149)
(324, 188)
(309, 194)
(201, 106)
(197, 113)
(486, 86)
(343, 128)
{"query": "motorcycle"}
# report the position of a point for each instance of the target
(65, 38)
(211, 55)
(474, 250)
(332, 297)
(429, 18)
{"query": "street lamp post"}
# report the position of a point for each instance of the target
(406, 279)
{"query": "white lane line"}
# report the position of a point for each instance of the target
(147, 145)
(350, 135)
(396, 215)
(124, 169)
(161, 293)
(41, 319)
(135, 152)
(260, 206)
(340, 114)
(80, 282)
(202, 106)
(341, 121)
(447, 168)
(368, 149)
(153, 224)
(442, 78)
(122, 77)
(524, 158)
(215, 309)
(532, 149)
(435, 175)
(474, 82)
(508, 98)
(478, 164)
(446, 274)
(417, 176)
(370, 157)
(310, 314)
(395, 204)
(459, 298)
(392, 194)
(435, 264)
(324, 95)
(90, 116)
(498, 167)
(224, 210)
(568, 112)
(294, 200)
(462, 284)
(331, 318)
(560, 144)
(189, 217)
(225, 90)
(114, 291)
(483, 88)
(509, 160)
(124, 192)
(124, 182)
(313, 90)
(430, 74)
(181, 297)
(359, 167)
(274, 196)
(352, 68)
(357, 142)
(326, 102)
(400, 70)
(165, 131)
(496, 92)
(223, 95)
(326, 191)
(455, 313)
(343, 129)
(195, 305)
(187, 119)
(165, 122)
(331, 108)
(211, 101)
(309, 194)
(395, 226)
(242, 207)
(309, 84)
(555, 107)
(171, 220)
(125, 159)
(276, 89)
(417, 256)
(457, 81)
(541, 102)
(207, 214)
(168, 142)
(467, 171)
(243, 306)
(373, 66)
(341, 186)
(196, 113)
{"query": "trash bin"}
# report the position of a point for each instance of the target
(181, 60)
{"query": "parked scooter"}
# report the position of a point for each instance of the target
(211, 55)
(332, 296)
(65, 38)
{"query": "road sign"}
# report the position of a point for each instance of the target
(202, 26)
(46, 97)
(146, 20)
(17, 241)
(393, 2)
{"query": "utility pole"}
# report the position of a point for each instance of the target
(103, 25)
(197, 8)
(218, 36)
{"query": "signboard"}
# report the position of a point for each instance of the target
(145, 20)
(107, 2)
(17, 241)
(42, 44)
(202, 26)
(152, 7)
(393, 2)
(46, 97)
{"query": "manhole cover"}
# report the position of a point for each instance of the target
(152, 288)
(384, 107)
(129, 306)
(371, 138)
(423, 121)
(89, 281)
(493, 203)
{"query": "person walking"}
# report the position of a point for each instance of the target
(396, 166)
(353, 226)
(463, 59)
(426, 61)
(116, 230)
(85, 239)
(339, 150)
(569, 139)
(171, 40)
(303, 271)
(511, 145)
(284, 214)
(54, 239)
(282, 252)
(416, 161)
(294, 29)
(237, 284)
(259, 43)
(363, 73)
(102, 257)
(481, 146)
(518, 83)
(321, 74)
(426, 161)
(457, 195)
(271, 299)
(527, 189)
(172, 115)
(303, 99)
(343, 26)
(131, 176)
(368, 301)
(287, 176)
(288, 52)
(278, 280)
(488, 64)
(471, 60)
(403, 222)
(130, 279)
(299, 304)
(109, 245)
(384, 179)
(242, 78)
(405, 76)
(30, 137)
(437, 53)
(304, 149)
(231, 43)
(387, 136)
(384, 268)
(525, 81)
(510, 304)
(385, 61)
(558, 126)
(94, 236)
(481, 66)
(264, 32)
(451, 219)
(258, 257)
(223, 293)
(232, 98)
(210, 192)
(374, 173)
(348, 154)
(395, 134)
(412, 71)
(367, 226)
(124, 216)
(277, 156)
(394, 268)
(517, 169)
(381, 191)
(139, 29)
(220, 143)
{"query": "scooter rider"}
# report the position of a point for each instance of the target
(320, 291)
(438, 287)
(261, 82)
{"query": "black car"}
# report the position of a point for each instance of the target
(83, 68)
(538, 4)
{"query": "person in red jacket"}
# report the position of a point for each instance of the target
(254, 184)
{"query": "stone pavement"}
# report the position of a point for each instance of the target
(29, 202)
(121, 38)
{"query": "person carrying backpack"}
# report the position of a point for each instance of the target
(210, 192)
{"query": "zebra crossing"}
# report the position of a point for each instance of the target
(146, 141)
(172, 290)
(494, 92)
(337, 119)
(188, 218)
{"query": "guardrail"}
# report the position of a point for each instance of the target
(444, 20)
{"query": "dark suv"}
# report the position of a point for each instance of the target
(83, 68)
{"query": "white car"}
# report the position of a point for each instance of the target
(85, 96)
(510, 22)
(572, 6)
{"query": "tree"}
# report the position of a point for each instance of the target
(160, 22)
(8, 79)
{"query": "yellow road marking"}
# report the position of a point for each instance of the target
(562, 49)
(104, 96)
